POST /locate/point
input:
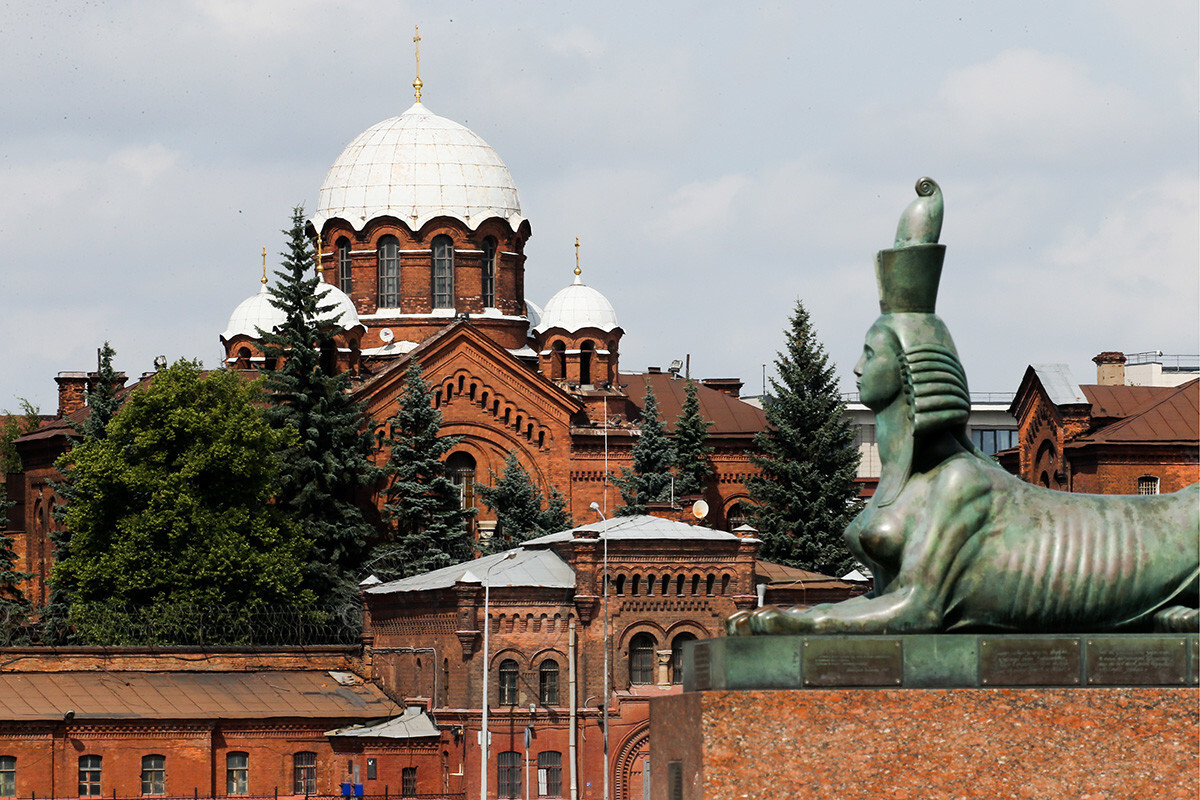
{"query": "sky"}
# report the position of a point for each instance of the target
(718, 162)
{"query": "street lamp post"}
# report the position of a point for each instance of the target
(604, 591)
(484, 735)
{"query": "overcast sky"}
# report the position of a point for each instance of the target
(717, 161)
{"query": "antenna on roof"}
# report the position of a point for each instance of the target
(417, 42)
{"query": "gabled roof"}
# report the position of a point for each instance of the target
(729, 415)
(1059, 384)
(1170, 416)
(643, 527)
(540, 568)
(1119, 401)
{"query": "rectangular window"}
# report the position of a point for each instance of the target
(154, 774)
(489, 273)
(1147, 484)
(443, 272)
(675, 780)
(548, 683)
(509, 764)
(304, 772)
(8, 776)
(388, 256)
(371, 769)
(89, 776)
(550, 774)
(408, 782)
(343, 257)
(237, 773)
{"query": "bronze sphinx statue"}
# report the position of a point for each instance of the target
(954, 542)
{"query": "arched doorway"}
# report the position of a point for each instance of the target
(633, 766)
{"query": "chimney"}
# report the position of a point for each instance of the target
(729, 386)
(1110, 368)
(72, 391)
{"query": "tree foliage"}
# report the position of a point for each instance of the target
(805, 494)
(522, 512)
(692, 450)
(14, 606)
(13, 426)
(429, 528)
(325, 467)
(173, 505)
(653, 458)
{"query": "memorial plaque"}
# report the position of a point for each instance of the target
(701, 663)
(1136, 661)
(1022, 661)
(858, 661)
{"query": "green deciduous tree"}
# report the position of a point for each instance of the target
(653, 457)
(326, 466)
(692, 450)
(805, 494)
(521, 511)
(173, 505)
(429, 526)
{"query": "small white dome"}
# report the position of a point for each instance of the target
(576, 307)
(533, 314)
(253, 313)
(343, 312)
(415, 167)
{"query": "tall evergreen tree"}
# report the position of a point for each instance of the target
(326, 468)
(518, 504)
(14, 606)
(653, 457)
(423, 506)
(692, 450)
(805, 494)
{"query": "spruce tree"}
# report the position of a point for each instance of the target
(327, 466)
(805, 494)
(421, 504)
(692, 450)
(653, 457)
(518, 504)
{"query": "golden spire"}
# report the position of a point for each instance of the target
(417, 42)
(317, 257)
(264, 277)
(577, 269)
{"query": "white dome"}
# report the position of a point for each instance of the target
(576, 307)
(533, 314)
(343, 312)
(415, 167)
(253, 313)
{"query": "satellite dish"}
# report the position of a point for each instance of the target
(386, 335)
(699, 509)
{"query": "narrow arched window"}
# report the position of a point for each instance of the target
(508, 778)
(460, 468)
(345, 282)
(508, 682)
(488, 276)
(677, 655)
(558, 361)
(641, 659)
(548, 683)
(443, 272)
(586, 351)
(388, 255)
(549, 773)
(408, 782)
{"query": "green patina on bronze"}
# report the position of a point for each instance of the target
(954, 542)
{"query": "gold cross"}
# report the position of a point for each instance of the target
(264, 277)
(577, 269)
(417, 42)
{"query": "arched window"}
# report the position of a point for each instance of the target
(677, 655)
(8, 776)
(641, 659)
(489, 272)
(548, 683)
(508, 682)
(304, 773)
(388, 255)
(154, 774)
(345, 282)
(460, 468)
(443, 272)
(735, 517)
(620, 584)
(89, 776)
(237, 773)
(243, 358)
(509, 778)
(708, 584)
(633, 588)
(1147, 484)
(549, 774)
(586, 350)
(558, 361)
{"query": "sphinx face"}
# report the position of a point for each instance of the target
(878, 370)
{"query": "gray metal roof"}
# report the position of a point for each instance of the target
(1059, 384)
(542, 568)
(413, 724)
(639, 526)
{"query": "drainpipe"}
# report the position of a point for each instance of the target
(574, 713)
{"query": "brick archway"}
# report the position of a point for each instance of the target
(631, 761)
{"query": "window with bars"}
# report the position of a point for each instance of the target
(549, 774)
(443, 272)
(489, 273)
(89, 776)
(509, 769)
(508, 682)
(154, 775)
(304, 773)
(388, 255)
(548, 683)
(1147, 484)
(8, 776)
(408, 782)
(345, 281)
(237, 773)
(641, 659)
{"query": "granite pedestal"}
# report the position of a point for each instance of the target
(953, 716)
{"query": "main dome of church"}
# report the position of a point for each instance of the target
(415, 167)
